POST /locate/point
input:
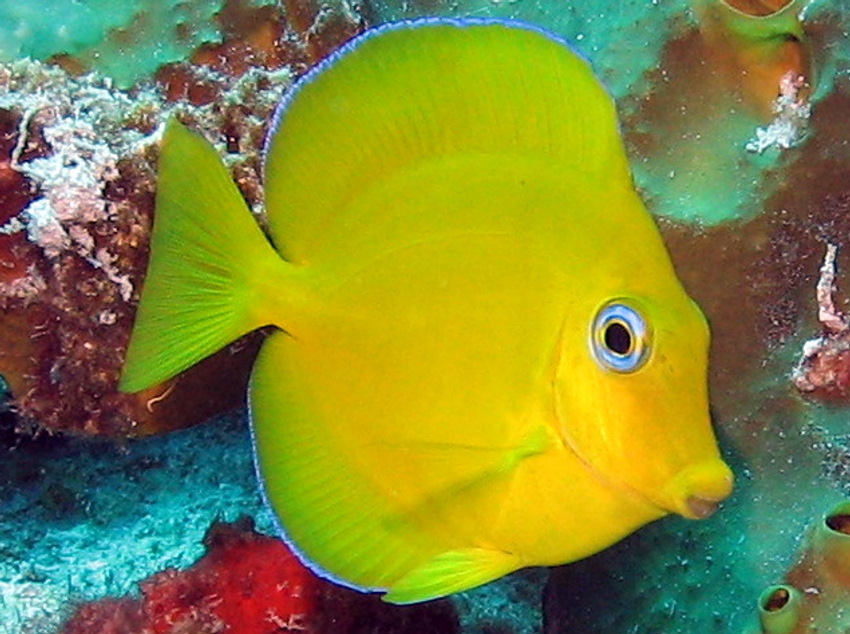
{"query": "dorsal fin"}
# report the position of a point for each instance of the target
(415, 91)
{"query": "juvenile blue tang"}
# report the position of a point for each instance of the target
(482, 357)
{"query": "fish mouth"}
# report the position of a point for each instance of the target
(694, 493)
(697, 491)
(701, 508)
(693, 500)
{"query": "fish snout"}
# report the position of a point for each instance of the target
(696, 492)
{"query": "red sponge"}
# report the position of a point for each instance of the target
(246, 583)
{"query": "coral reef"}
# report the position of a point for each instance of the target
(824, 367)
(75, 529)
(78, 160)
(89, 223)
(246, 582)
(792, 109)
(642, 28)
(707, 93)
(728, 95)
(751, 45)
(84, 518)
(815, 594)
(252, 584)
(129, 41)
(754, 278)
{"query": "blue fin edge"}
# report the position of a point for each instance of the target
(281, 530)
(353, 44)
(277, 120)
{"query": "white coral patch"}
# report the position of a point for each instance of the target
(44, 228)
(792, 110)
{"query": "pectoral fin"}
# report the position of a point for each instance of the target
(450, 572)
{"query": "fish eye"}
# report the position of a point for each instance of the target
(620, 338)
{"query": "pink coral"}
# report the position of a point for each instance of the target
(77, 176)
(824, 366)
(246, 582)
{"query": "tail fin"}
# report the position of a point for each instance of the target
(207, 256)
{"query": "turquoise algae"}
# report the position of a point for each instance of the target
(125, 41)
(747, 230)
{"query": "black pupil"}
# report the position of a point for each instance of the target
(618, 339)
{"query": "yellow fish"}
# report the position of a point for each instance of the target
(483, 358)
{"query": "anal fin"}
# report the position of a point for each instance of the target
(452, 571)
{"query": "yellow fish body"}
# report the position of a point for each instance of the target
(484, 359)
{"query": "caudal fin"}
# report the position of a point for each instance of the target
(207, 256)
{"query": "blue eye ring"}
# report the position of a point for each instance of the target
(620, 338)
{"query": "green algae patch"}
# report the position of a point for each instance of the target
(126, 41)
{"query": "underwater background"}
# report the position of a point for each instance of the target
(735, 116)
